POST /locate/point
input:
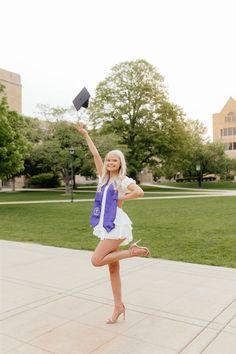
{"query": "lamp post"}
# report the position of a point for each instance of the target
(198, 169)
(71, 151)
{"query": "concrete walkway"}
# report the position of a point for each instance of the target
(54, 301)
(183, 196)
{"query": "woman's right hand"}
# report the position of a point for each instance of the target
(80, 127)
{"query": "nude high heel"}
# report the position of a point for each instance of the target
(113, 320)
(135, 245)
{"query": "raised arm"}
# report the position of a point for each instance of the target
(96, 156)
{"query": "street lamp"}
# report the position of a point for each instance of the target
(198, 169)
(71, 151)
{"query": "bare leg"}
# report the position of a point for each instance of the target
(114, 269)
(107, 252)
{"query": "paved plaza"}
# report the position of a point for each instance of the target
(53, 301)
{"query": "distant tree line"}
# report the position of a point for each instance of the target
(130, 111)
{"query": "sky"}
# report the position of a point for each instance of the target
(60, 46)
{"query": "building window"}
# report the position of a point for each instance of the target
(230, 117)
(226, 146)
(230, 146)
(228, 131)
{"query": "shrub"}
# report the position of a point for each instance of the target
(44, 180)
(186, 179)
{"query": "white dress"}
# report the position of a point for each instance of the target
(123, 224)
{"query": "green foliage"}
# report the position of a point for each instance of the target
(196, 150)
(34, 130)
(132, 102)
(51, 153)
(45, 180)
(13, 144)
(212, 159)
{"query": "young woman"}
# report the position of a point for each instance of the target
(111, 224)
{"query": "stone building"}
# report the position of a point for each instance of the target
(13, 93)
(12, 83)
(224, 127)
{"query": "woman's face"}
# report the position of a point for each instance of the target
(112, 163)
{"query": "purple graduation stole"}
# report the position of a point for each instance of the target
(110, 207)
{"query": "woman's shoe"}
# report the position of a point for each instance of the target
(135, 245)
(114, 319)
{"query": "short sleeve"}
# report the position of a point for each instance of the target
(126, 182)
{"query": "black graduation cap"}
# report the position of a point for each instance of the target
(82, 99)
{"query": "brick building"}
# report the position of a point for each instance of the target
(224, 127)
(13, 93)
(12, 83)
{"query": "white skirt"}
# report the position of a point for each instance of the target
(122, 229)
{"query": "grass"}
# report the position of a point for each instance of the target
(200, 230)
(158, 188)
(82, 194)
(205, 185)
(42, 195)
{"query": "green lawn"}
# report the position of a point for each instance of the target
(201, 230)
(158, 188)
(82, 194)
(205, 185)
(42, 195)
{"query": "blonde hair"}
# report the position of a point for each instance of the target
(121, 173)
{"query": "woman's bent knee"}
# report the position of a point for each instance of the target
(96, 262)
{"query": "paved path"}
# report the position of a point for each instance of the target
(54, 302)
(196, 195)
(203, 193)
(162, 186)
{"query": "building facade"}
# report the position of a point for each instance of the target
(224, 127)
(13, 92)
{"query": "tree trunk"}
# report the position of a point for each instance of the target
(13, 184)
(67, 188)
(67, 183)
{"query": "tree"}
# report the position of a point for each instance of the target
(194, 138)
(13, 144)
(132, 102)
(34, 130)
(212, 159)
(198, 150)
(46, 112)
(52, 152)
